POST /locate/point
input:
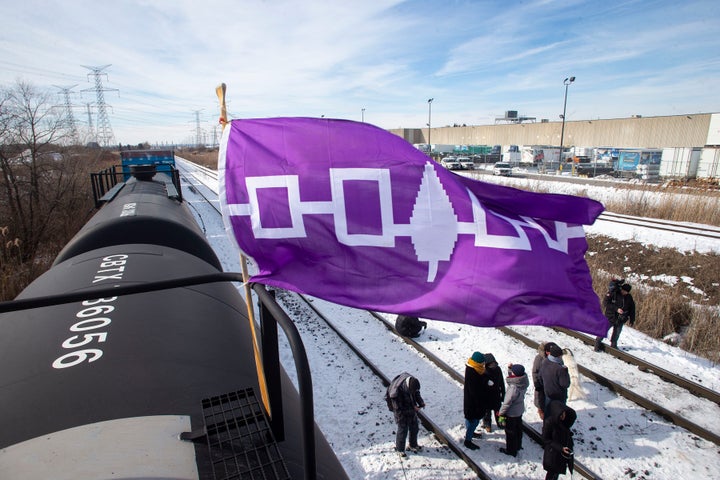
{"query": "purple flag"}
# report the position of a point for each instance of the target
(350, 213)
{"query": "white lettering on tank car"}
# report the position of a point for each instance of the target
(128, 210)
(93, 316)
(116, 261)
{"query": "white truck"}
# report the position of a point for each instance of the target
(467, 163)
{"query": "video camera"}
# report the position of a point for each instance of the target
(615, 285)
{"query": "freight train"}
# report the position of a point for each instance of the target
(131, 358)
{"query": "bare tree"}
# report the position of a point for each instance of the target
(39, 177)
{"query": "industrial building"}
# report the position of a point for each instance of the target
(690, 143)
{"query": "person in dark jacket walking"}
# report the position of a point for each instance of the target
(476, 394)
(409, 326)
(619, 308)
(513, 408)
(404, 399)
(558, 440)
(539, 396)
(554, 377)
(497, 391)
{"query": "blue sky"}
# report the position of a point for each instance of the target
(477, 59)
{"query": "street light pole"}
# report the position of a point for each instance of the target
(363, 115)
(430, 100)
(567, 83)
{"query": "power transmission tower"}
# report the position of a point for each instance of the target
(104, 131)
(198, 131)
(69, 113)
(91, 133)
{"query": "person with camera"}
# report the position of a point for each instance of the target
(558, 440)
(619, 308)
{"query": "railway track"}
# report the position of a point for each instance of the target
(662, 225)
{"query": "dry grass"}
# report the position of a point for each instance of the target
(204, 157)
(695, 205)
(701, 336)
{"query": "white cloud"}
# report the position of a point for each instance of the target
(328, 58)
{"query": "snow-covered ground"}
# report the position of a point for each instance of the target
(613, 437)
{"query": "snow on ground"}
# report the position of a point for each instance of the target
(614, 437)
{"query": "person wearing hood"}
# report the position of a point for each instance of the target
(409, 326)
(539, 395)
(404, 400)
(619, 307)
(497, 391)
(476, 393)
(558, 439)
(513, 407)
(554, 377)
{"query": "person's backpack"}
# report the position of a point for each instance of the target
(388, 400)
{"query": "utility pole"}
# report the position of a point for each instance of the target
(567, 83)
(430, 100)
(68, 111)
(104, 133)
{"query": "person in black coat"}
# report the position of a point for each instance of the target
(554, 377)
(619, 308)
(409, 326)
(558, 439)
(539, 395)
(404, 400)
(497, 391)
(476, 395)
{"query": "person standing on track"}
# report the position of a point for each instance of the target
(404, 400)
(619, 307)
(476, 394)
(539, 396)
(497, 391)
(513, 407)
(554, 377)
(558, 440)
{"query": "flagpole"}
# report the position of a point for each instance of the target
(220, 92)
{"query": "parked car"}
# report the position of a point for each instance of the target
(467, 163)
(451, 163)
(501, 168)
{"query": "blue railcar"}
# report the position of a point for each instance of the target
(138, 160)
